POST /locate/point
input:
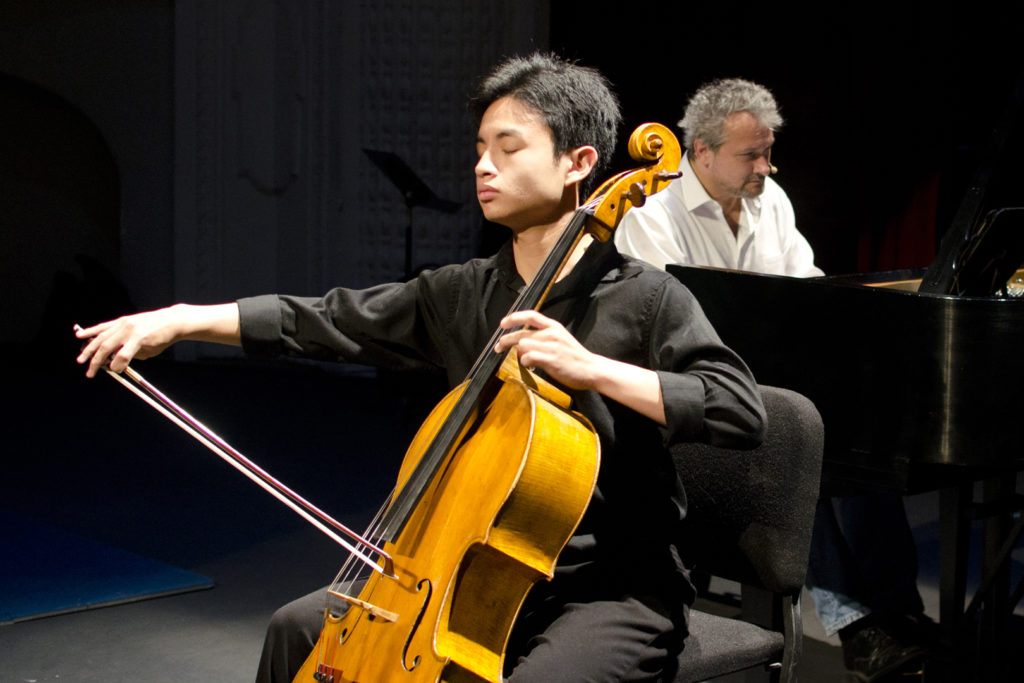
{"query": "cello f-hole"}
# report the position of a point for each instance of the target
(425, 584)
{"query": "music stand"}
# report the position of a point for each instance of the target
(980, 263)
(414, 191)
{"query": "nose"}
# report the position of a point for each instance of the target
(484, 167)
(763, 166)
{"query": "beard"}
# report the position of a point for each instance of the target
(752, 188)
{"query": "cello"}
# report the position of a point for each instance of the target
(446, 586)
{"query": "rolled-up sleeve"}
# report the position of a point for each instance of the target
(709, 393)
(260, 324)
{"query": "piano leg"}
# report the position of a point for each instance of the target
(954, 550)
(993, 597)
(978, 637)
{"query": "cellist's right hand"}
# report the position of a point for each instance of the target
(144, 335)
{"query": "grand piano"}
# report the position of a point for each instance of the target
(912, 386)
(917, 376)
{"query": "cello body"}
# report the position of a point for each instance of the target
(491, 524)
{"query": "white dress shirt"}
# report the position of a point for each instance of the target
(683, 224)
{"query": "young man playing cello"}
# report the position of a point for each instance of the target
(627, 342)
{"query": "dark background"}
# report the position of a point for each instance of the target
(153, 151)
(119, 157)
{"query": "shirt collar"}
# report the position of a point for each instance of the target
(601, 259)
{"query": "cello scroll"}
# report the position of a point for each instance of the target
(654, 144)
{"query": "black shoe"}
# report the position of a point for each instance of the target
(871, 655)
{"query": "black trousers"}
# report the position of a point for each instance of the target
(614, 641)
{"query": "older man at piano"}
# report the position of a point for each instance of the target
(727, 212)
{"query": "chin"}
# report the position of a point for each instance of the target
(752, 192)
(495, 216)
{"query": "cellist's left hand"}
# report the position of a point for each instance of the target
(545, 344)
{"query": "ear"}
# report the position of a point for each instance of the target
(582, 161)
(702, 152)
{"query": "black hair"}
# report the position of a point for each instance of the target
(576, 102)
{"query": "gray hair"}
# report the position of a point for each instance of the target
(713, 103)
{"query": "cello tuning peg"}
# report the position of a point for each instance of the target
(636, 194)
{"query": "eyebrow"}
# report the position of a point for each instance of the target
(507, 133)
(761, 150)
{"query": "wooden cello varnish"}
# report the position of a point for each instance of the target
(492, 506)
(508, 501)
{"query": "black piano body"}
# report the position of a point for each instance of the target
(913, 388)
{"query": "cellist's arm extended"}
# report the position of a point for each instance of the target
(144, 335)
(545, 344)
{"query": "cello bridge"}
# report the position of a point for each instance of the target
(374, 611)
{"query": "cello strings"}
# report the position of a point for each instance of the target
(349, 574)
(580, 215)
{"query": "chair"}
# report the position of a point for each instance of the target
(749, 520)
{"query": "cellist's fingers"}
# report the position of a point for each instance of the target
(123, 353)
(106, 340)
(507, 341)
(528, 321)
(116, 342)
(92, 331)
(89, 335)
(92, 348)
(528, 318)
(545, 344)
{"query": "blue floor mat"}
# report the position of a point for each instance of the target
(46, 571)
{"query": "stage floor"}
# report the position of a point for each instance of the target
(88, 456)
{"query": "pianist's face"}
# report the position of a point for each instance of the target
(739, 167)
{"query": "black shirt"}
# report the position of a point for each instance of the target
(615, 306)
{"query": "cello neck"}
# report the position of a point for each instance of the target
(479, 383)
